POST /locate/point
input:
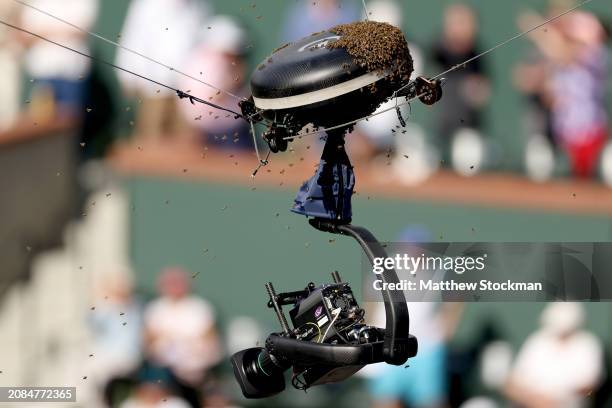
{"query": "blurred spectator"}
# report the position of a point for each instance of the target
(466, 90)
(220, 59)
(116, 328)
(307, 17)
(424, 382)
(530, 79)
(405, 148)
(58, 75)
(165, 31)
(180, 331)
(9, 66)
(560, 364)
(577, 81)
(153, 390)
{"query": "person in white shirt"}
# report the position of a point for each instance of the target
(560, 364)
(165, 31)
(180, 330)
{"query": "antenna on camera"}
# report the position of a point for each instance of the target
(277, 308)
(336, 277)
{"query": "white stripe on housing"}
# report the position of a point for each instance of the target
(309, 98)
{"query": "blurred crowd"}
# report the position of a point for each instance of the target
(183, 44)
(165, 356)
(536, 376)
(173, 354)
(565, 81)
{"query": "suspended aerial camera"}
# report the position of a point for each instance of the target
(318, 81)
(329, 341)
(323, 80)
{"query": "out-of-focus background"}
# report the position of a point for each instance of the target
(135, 243)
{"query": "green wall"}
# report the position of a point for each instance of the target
(232, 238)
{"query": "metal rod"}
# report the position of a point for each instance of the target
(277, 308)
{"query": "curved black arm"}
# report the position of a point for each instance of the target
(308, 353)
(398, 344)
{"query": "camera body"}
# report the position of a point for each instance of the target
(330, 314)
(324, 313)
(325, 345)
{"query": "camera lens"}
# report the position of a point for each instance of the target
(259, 374)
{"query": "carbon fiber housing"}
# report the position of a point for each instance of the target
(304, 66)
(308, 83)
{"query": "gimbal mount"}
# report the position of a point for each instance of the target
(329, 341)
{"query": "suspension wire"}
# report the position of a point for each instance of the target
(118, 45)
(262, 162)
(365, 9)
(180, 93)
(249, 118)
(506, 42)
(516, 37)
(441, 74)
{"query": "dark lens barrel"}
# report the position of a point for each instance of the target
(259, 374)
(266, 364)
